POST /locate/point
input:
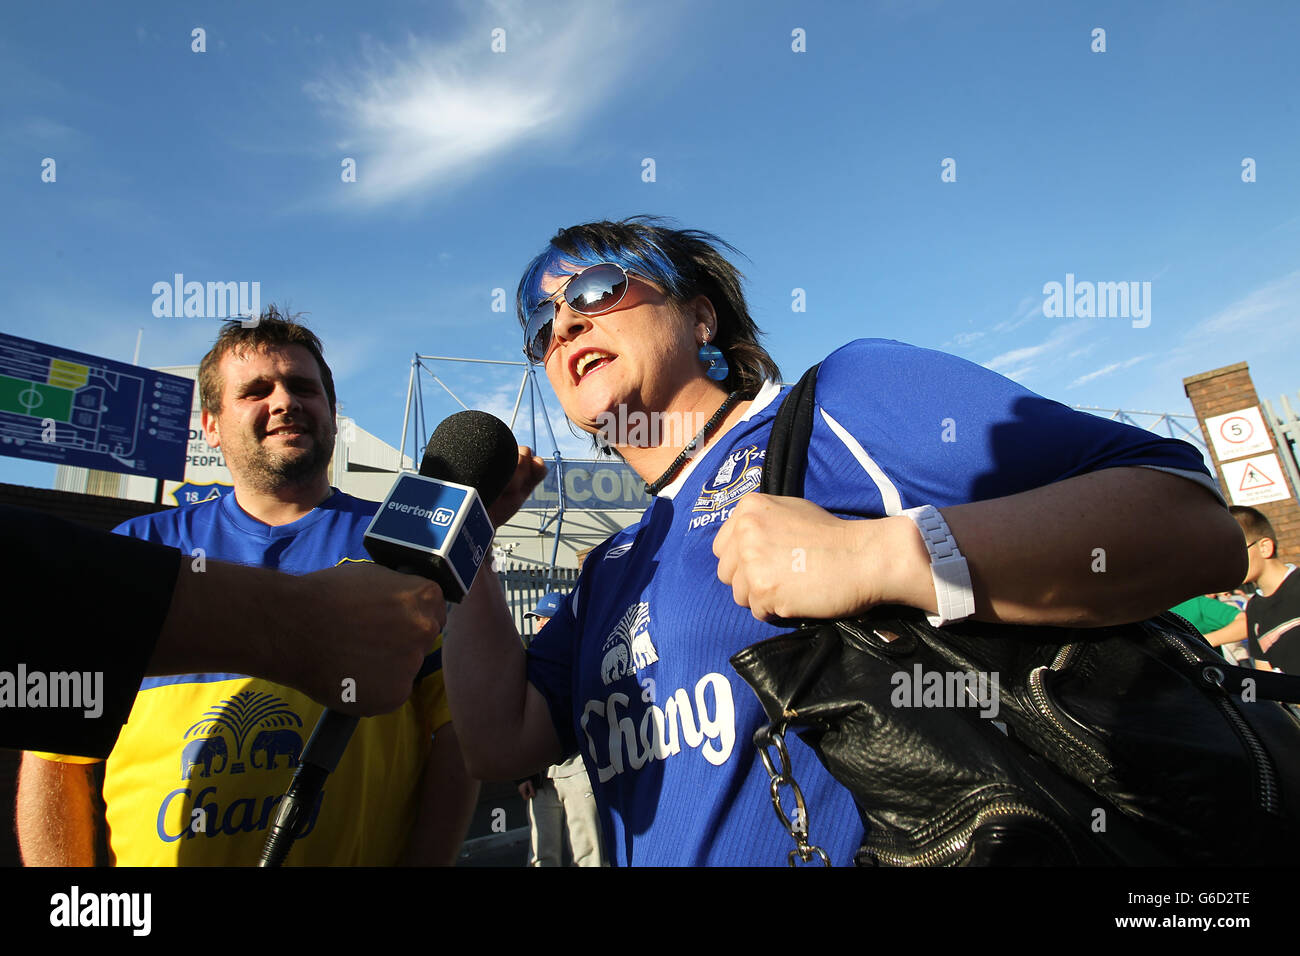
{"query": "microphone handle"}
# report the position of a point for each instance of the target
(319, 758)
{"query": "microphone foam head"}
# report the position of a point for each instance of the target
(472, 448)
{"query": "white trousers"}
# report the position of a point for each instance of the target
(566, 800)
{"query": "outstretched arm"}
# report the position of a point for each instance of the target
(1229, 633)
(358, 621)
(169, 615)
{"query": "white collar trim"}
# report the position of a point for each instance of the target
(766, 395)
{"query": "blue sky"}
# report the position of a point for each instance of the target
(823, 167)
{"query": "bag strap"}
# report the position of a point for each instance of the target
(784, 465)
(787, 448)
(1252, 684)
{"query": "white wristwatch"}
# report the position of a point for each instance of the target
(952, 587)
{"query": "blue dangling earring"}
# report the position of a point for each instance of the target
(715, 362)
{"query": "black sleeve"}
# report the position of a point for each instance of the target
(83, 610)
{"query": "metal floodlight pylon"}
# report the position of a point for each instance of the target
(420, 433)
(1169, 419)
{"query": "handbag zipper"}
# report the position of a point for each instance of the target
(1038, 692)
(953, 850)
(1263, 766)
(1065, 655)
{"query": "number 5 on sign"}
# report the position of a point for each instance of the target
(1238, 433)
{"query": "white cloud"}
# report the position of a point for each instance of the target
(1107, 370)
(1269, 311)
(1059, 338)
(1014, 357)
(1027, 309)
(43, 131)
(1020, 374)
(421, 118)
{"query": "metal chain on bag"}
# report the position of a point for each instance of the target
(774, 736)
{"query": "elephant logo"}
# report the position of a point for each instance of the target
(203, 750)
(629, 648)
(261, 716)
(614, 664)
(274, 743)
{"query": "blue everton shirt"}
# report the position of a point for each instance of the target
(635, 667)
(327, 535)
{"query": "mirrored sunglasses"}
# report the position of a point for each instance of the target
(593, 291)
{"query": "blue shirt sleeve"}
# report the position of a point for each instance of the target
(932, 428)
(134, 528)
(552, 657)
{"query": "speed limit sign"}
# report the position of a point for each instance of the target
(1238, 433)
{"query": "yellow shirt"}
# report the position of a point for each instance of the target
(203, 761)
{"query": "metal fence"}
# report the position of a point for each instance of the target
(1286, 430)
(526, 584)
(1176, 425)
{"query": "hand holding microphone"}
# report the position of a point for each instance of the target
(529, 470)
(435, 525)
(355, 621)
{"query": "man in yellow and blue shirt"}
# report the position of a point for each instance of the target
(204, 758)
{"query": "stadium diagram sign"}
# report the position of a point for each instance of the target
(71, 408)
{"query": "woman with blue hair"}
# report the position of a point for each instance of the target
(931, 482)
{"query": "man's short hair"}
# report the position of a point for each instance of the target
(686, 262)
(1253, 523)
(239, 337)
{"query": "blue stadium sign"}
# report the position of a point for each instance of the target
(603, 485)
(71, 408)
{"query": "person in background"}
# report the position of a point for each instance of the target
(560, 801)
(1271, 622)
(1213, 618)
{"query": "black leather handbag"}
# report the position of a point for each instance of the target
(1129, 745)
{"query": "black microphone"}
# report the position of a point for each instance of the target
(434, 524)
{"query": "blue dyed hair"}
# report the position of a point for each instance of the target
(685, 262)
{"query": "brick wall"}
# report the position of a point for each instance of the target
(1228, 389)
